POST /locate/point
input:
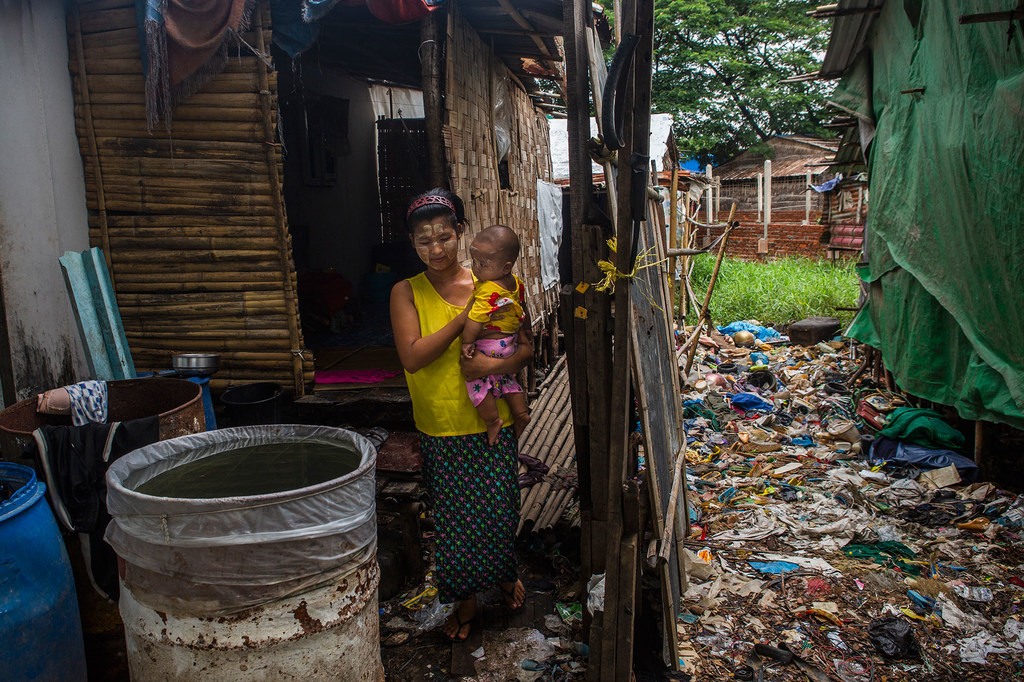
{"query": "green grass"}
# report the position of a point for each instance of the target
(779, 291)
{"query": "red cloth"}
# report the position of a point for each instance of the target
(195, 31)
(400, 11)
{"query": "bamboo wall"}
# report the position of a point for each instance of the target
(192, 219)
(471, 152)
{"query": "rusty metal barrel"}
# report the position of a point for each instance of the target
(177, 402)
(248, 554)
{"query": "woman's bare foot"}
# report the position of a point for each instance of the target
(514, 593)
(493, 429)
(458, 625)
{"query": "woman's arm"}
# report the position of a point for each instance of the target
(481, 365)
(416, 351)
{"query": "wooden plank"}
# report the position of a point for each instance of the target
(658, 393)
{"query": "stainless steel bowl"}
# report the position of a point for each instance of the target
(195, 364)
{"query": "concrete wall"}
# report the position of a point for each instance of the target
(343, 219)
(42, 196)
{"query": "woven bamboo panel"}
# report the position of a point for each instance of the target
(192, 218)
(472, 157)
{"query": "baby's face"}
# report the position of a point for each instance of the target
(488, 262)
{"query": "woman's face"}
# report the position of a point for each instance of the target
(436, 242)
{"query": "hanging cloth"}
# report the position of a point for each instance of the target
(183, 47)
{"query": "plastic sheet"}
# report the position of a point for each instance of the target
(221, 555)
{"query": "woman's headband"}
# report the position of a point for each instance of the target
(428, 199)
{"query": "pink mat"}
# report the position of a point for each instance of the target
(356, 376)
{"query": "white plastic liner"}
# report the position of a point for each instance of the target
(222, 555)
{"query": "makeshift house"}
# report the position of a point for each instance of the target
(253, 206)
(935, 90)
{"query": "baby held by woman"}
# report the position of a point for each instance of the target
(496, 314)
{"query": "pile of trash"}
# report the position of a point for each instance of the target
(838, 530)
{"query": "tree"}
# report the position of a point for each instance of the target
(718, 66)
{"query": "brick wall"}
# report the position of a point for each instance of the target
(787, 235)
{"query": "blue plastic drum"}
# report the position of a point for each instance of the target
(40, 634)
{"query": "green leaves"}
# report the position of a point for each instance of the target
(718, 66)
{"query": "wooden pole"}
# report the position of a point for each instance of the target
(83, 82)
(684, 276)
(665, 548)
(979, 444)
(432, 40)
(284, 239)
(711, 287)
(673, 227)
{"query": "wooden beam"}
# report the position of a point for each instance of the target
(519, 54)
(431, 40)
(527, 26)
(987, 17)
(522, 34)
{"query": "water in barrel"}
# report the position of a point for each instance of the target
(254, 470)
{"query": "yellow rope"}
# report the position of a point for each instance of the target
(613, 274)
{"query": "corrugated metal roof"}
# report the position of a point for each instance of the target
(850, 29)
(782, 168)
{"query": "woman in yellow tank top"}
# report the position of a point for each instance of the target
(472, 486)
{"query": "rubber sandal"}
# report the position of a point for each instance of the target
(511, 594)
(461, 624)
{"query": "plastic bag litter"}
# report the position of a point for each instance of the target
(893, 638)
(595, 593)
(977, 648)
(433, 615)
(757, 330)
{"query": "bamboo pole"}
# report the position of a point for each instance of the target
(673, 500)
(540, 492)
(188, 224)
(685, 264)
(711, 287)
(529, 496)
(87, 122)
(673, 227)
(294, 335)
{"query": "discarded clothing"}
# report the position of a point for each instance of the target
(88, 402)
(893, 554)
(749, 402)
(760, 332)
(906, 454)
(922, 427)
(74, 460)
(535, 470)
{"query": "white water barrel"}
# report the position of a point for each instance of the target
(277, 585)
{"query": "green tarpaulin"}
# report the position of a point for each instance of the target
(946, 219)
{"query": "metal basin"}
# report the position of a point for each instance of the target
(177, 402)
(195, 364)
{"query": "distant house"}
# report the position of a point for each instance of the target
(779, 212)
(796, 162)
